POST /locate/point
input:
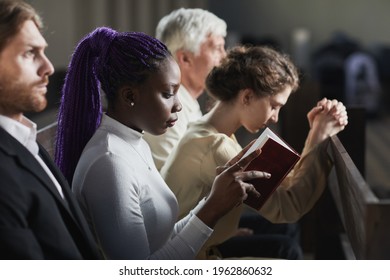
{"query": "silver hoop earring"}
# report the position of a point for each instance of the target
(131, 104)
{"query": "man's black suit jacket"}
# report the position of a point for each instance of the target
(35, 222)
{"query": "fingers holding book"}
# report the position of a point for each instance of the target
(242, 177)
(237, 162)
(231, 188)
(245, 176)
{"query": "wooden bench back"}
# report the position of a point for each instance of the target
(366, 219)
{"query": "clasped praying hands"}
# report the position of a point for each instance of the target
(328, 118)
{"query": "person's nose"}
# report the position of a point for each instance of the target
(177, 105)
(275, 117)
(46, 68)
(223, 53)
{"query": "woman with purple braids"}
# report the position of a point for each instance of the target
(129, 207)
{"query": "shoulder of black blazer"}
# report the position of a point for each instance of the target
(10, 146)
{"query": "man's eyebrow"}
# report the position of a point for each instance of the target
(37, 45)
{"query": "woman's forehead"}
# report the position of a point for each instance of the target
(281, 97)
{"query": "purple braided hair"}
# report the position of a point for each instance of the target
(103, 58)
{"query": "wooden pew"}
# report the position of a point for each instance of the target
(365, 217)
(349, 221)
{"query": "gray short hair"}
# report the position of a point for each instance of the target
(187, 29)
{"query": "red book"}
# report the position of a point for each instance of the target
(276, 158)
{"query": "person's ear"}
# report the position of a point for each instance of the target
(128, 96)
(184, 58)
(246, 96)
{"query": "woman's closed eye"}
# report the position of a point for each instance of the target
(168, 95)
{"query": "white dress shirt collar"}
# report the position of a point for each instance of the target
(25, 132)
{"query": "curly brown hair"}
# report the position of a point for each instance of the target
(262, 69)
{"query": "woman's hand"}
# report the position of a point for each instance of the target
(229, 188)
(332, 107)
(328, 118)
(236, 158)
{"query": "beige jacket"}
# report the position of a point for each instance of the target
(190, 171)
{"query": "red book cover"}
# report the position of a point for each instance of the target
(276, 158)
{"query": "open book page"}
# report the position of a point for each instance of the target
(276, 158)
(267, 133)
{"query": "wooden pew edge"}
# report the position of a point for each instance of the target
(368, 239)
(335, 149)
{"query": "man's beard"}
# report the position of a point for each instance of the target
(18, 98)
